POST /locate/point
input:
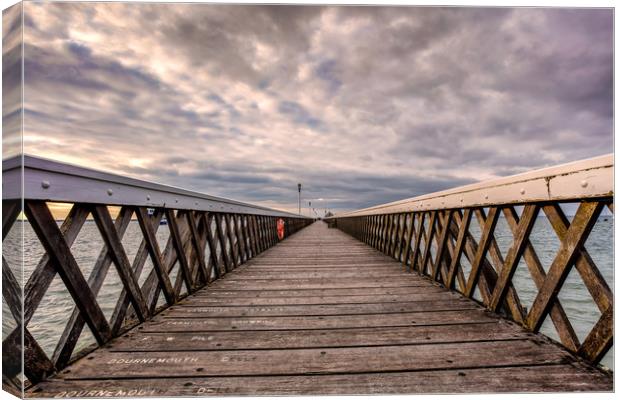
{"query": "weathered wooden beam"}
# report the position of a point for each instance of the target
(198, 275)
(428, 242)
(178, 244)
(558, 316)
(372, 236)
(11, 292)
(272, 233)
(418, 240)
(454, 232)
(236, 220)
(408, 239)
(54, 242)
(44, 272)
(218, 245)
(483, 246)
(243, 234)
(75, 324)
(232, 239)
(36, 365)
(392, 235)
(200, 254)
(449, 250)
(212, 245)
(186, 248)
(249, 234)
(384, 229)
(458, 248)
(269, 226)
(220, 236)
(122, 304)
(380, 230)
(12, 354)
(576, 235)
(201, 228)
(590, 274)
(470, 250)
(119, 258)
(441, 246)
(10, 212)
(377, 231)
(600, 339)
(259, 234)
(512, 303)
(528, 218)
(386, 234)
(402, 236)
(398, 238)
(253, 234)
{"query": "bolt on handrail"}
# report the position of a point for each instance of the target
(49, 180)
(207, 237)
(585, 179)
(433, 235)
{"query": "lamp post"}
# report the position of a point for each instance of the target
(299, 190)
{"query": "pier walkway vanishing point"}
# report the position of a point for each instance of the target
(405, 297)
(324, 313)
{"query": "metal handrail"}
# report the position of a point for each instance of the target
(54, 181)
(585, 179)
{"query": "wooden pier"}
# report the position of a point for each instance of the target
(322, 313)
(414, 296)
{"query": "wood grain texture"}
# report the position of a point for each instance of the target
(58, 249)
(116, 251)
(290, 321)
(535, 379)
(443, 242)
(75, 324)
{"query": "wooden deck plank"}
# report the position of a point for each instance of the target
(498, 354)
(237, 293)
(316, 339)
(283, 284)
(344, 299)
(359, 266)
(542, 378)
(162, 324)
(322, 313)
(311, 275)
(206, 311)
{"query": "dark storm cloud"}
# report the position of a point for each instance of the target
(219, 37)
(11, 80)
(363, 105)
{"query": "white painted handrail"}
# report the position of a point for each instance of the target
(585, 179)
(50, 180)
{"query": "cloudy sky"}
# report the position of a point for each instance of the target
(362, 105)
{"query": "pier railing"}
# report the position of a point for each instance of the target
(207, 237)
(451, 238)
